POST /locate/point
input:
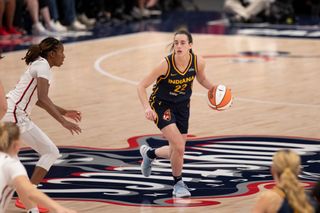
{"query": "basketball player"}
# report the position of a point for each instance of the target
(169, 105)
(288, 195)
(32, 89)
(14, 176)
(3, 102)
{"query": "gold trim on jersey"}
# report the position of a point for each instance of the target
(186, 69)
(195, 63)
(167, 73)
(152, 102)
(155, 89)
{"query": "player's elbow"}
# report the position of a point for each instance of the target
(42, 99)
(200, 80)
(140, 87)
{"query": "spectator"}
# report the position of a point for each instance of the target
(82, 6)
(288, 195)
(69, 16)
(49, 23)
(246, 10)
(55, 16)
(8, 7)
(37, 27)
(18, 21)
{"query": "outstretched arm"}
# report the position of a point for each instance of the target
(29, 195)
(45, 103)
(201, 75)
(161, 69)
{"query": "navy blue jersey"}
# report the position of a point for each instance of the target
(176, 85)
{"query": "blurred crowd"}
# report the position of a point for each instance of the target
(49, 17)
(272, 11)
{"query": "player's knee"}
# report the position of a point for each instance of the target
(49, 158)
(55, 153)
(178, 150)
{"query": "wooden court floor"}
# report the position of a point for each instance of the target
(276, 93)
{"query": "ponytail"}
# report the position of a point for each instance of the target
(42, 49)
(4, 138)
(32, 54)
(9, 132)
(287, 166)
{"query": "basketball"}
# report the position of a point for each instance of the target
(219, 97)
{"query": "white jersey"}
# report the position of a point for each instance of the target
(24, 95)
(10, 168)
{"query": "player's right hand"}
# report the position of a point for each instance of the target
(73, 128)
(150, 114)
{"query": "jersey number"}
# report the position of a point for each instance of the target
(180, 88)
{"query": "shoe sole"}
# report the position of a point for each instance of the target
(184, 196)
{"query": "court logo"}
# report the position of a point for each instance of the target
(167, 115)
(215, 167)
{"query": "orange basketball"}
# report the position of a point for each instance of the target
(219, 97)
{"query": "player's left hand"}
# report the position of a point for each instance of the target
(73, 114)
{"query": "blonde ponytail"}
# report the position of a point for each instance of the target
(4, 138)
(287, 166)
(9, 132)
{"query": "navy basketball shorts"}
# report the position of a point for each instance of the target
(168, 113)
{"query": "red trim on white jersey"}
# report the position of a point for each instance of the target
(23, 94)
(2, 193)
(5, 195)
(30, 98)
(25, 91)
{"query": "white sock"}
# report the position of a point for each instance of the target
(33, 210)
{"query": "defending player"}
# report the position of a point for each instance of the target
(32, 89)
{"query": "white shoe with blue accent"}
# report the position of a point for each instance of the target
(146, 164)
(180, 190)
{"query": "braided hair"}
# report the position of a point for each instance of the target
(46, 45)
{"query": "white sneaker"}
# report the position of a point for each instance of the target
(77, 26)
(145, 13)
(89, 22)
(180, 189)
(60, 27)
(155, 12)
(39, 30)
(136, 13)
(55, 27)
(146, 164)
